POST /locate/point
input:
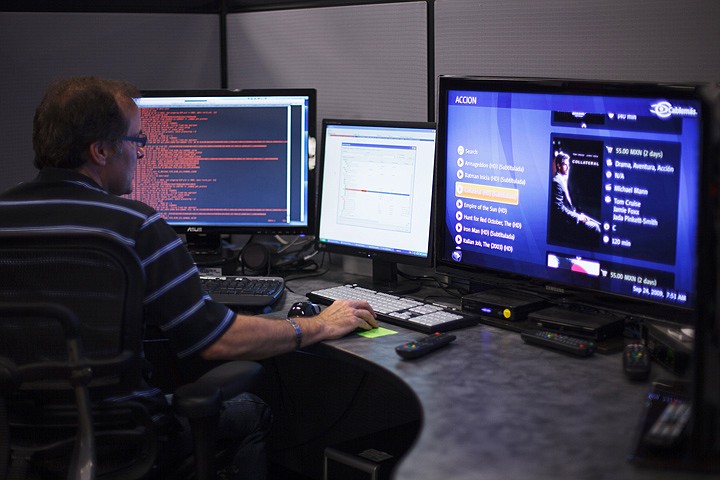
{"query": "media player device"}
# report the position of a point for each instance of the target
(579, 324)
(502, 304)
(669, 348)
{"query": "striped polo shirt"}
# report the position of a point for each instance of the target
(63, 200)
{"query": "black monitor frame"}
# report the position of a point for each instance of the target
(704, 433)
(693, 442)
(203, 235)
(384, 262)
(470, 273)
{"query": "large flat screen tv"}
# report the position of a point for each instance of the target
(578, 186)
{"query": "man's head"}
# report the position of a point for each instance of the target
(80, 125)
(562, 163)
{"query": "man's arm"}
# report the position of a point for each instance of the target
(256, 337)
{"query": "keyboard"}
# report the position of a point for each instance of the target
(243, 291)
(407, 312)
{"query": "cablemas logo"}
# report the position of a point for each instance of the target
(665, 109)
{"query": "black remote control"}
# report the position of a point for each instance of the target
(425, 345)
(636, 361)
(544, 338)
(668, 428)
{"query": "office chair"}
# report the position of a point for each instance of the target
(71, 336)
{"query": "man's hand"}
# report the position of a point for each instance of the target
(344, 316)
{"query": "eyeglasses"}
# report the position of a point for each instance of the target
(141, 139)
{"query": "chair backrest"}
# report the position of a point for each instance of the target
(97, 278)
(100, 282)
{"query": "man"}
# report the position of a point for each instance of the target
(563, 209)
(87, 137)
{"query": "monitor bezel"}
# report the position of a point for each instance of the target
(270, 229)
(473, 276)
(373, 254)
(704, 443)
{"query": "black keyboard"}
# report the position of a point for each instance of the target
(243, 291)
(407, 312)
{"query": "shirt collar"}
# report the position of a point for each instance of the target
(53, 174)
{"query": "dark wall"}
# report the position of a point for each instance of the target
(366, 59)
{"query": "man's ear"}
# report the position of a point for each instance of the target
(98, 152)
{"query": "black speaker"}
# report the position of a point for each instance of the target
(257, 256)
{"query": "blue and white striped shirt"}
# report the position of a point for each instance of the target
(64, 200)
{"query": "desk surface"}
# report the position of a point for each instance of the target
(496, 408)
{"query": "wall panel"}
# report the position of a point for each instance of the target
(366, 61)
(649, 40)
(151, 50)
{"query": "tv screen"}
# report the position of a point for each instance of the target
(591, 186)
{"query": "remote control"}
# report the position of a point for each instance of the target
(425, 345)
(669, 426)
(544, 338)
(636, 361)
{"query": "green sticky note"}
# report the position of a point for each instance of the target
(377, 332)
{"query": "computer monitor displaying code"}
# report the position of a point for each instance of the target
(376, 192)
(588, 185)
(228, 162)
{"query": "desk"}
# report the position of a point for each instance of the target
(494, 407)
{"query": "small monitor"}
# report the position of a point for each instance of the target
(591, 187)
(223, 162)
(376, 194)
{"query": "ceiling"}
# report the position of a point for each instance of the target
(165, 6)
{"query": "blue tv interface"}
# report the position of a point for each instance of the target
(582, 185)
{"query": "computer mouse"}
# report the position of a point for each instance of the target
(303, 309)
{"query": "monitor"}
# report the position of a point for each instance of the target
(584, 187)
(228, 162)
(375, 194)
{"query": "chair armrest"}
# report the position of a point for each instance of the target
(204, 396)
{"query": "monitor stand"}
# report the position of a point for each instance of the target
(210, 255)
(205, 245)
(385, 279)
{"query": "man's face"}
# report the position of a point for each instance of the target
(120, 169)
(564, 167)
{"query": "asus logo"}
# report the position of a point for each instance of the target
(194, 230)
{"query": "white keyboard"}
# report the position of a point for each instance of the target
(404, 311)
